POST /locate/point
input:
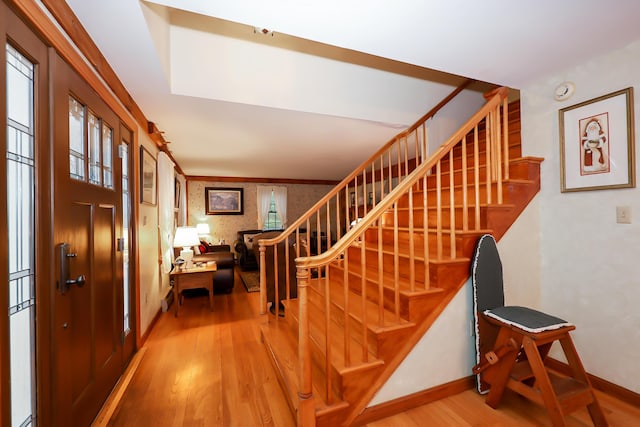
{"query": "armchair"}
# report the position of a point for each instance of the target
(244, 248)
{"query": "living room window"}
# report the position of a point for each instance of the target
(273, 220)
(272, 207)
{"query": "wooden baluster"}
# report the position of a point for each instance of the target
(489, 166)
(396, 264)
(328, 337)
(390, 178)
(425, 143)
(347, 321)
(287, 259)
(399, 161)
(364, 192)
(439, 210)
(425, 227)
(363, 296)
(465, 192)
(356, 214)
(505, 118)
(338, 226)
(498, 156)
(276, 280)
(452, 208)
(306, 408)
(412, 253)
(406, 156)
(380, 277)
(373, 185)
(476, 177)
(263, 280)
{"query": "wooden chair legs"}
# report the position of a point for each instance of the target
(523, 371)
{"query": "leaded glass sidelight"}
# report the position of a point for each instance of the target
(107, 156)
(76, 139)
(95, 166)
(124, 154)
(20, 235)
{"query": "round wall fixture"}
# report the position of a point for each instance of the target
(564, 91)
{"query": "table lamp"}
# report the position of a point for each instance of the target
(185, 238)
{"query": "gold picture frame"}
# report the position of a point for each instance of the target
(597, 148)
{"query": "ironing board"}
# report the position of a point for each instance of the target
(512, 343)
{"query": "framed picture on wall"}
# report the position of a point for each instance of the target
(223, 201)
(148, 177)
(176, 194)
(597, 149)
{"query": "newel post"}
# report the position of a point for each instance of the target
(306, 406)
(263, 279)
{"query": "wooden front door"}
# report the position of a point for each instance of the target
(87, 212)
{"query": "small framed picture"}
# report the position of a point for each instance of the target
(223, 201)
(597, 149)
(148, 177)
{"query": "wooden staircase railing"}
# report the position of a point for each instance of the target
(354, 231)
(352, 198)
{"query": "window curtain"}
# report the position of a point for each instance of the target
(264, 202)
(280, 197)
(166, 202)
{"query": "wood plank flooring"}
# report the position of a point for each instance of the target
(206, 369)
(211, 369)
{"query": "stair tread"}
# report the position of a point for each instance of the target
(404, 284)
(282, 346)
(355, 309)
(316, 328)
(470, 205)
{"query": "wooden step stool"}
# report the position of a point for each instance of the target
(512, 344)
(521, 368)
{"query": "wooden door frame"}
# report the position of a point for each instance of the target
(40, 26)
(24, 38)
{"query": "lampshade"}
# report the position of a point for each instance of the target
(203, 228)
(186, 237)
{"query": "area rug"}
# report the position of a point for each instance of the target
(251, 280)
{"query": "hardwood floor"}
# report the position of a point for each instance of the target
(206, 369)
(211, 369)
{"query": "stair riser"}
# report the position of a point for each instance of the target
(337, 317)
(388, 263)
(404, 218)
(510, 189)
(354, 282)
(418, 238)
(412, 307)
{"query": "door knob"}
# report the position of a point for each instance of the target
(79, 281)
(64, 258)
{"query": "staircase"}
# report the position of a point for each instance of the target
(381, 256)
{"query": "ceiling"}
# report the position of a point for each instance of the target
(327, 83)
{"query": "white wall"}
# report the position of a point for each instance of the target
(452, 116)
(447, 351)
(589, 263)
(151, 282)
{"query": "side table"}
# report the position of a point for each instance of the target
(193, 278)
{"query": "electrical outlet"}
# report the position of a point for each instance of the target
(623, 214)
